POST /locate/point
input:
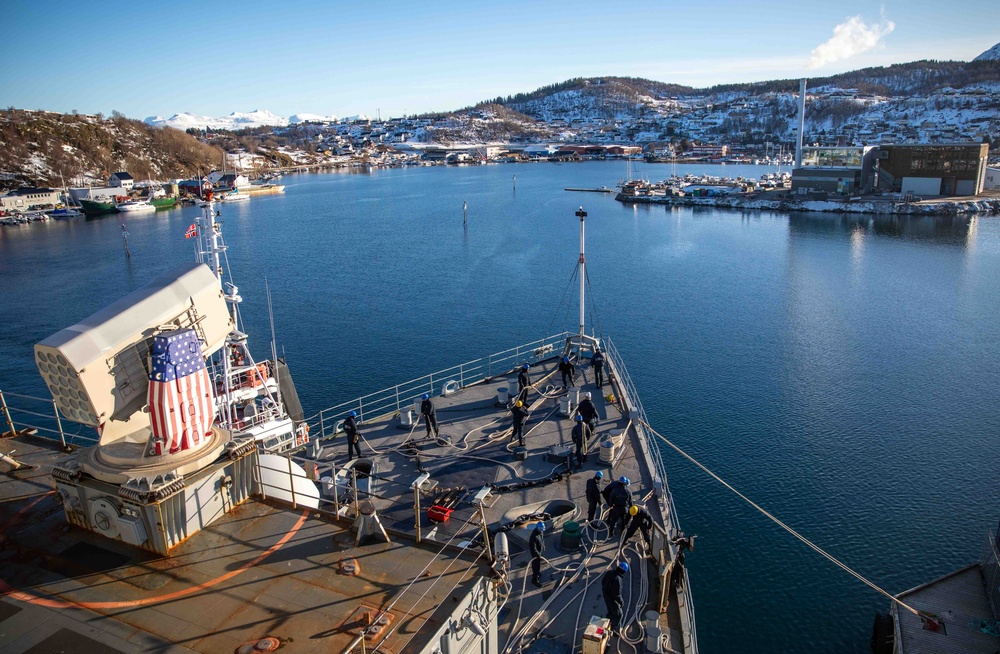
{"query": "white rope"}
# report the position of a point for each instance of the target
(816, 548)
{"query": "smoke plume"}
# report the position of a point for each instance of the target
(850, 38)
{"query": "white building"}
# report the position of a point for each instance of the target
(121, 179)
(24, 199)
(991, 182)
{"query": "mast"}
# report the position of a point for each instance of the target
(209, 248)
(583, 271)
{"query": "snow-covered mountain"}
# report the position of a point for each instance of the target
(234, 121)
(991, 54)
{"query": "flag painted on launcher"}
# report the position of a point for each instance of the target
(181, 409)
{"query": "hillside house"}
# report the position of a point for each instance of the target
(122, 180)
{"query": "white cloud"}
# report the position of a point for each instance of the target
(850, 38)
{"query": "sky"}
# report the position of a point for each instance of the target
(403, 58)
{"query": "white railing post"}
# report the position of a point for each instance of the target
(291, 480)
(6, 414)
(62, 436)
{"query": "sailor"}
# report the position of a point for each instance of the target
(588, 411)
(594, 495)
(642, 521)
(523, 383)
(427, 412)
(683, 543)
(351, 429)
(597, 361)
(611, 587)
(568, 371)
(520, 414)
(609, 490)
(581, 436)
(536, 545)
(621, 501)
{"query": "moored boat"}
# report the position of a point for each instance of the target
(164, 202)
(135, 206)
(98, 207)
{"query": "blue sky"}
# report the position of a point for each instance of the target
(397, 58)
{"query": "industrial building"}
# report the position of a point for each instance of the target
(933, 170)
(841, 170)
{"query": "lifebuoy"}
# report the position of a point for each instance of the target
(450, 387)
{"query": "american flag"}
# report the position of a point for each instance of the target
(180, 397)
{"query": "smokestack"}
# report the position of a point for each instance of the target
(802, 121)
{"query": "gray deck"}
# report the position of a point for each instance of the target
(235, 582)
(959, 601)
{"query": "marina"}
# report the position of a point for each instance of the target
(708, 398)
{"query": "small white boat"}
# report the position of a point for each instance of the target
(235, 196)
(135, 206)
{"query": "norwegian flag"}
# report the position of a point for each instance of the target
(191, 232)
(180, 397)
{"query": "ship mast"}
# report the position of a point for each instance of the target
(583, 271)
(210, 247)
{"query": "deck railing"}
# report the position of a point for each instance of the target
(402, 396)
(625, 380)
(28, 412)
(989, 564)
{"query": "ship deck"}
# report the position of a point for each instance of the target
(269, 569)
(960, 602)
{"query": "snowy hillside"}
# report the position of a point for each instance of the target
(993, 54)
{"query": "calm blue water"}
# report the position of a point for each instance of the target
(841, 372)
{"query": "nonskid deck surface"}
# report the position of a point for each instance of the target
(271, 570)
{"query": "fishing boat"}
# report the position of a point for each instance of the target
(163, 202)
(234, 196)
(98, 207)
(188, 527)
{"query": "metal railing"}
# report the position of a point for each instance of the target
(402, 396)
(19, 412)
(989, 565)
(625, 381)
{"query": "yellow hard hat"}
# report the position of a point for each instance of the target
(633, 510)
(519, 403)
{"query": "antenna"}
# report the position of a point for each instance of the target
(583, 270)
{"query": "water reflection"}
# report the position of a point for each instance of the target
(945, 230)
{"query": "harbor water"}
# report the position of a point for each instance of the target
(842, 372)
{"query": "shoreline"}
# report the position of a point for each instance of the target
(979, 205)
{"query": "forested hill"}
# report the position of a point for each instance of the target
(41, 148)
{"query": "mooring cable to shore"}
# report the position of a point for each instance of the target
(813, 546)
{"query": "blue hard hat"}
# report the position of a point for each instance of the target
(565, 359)
(623, 566)
(599, 475)
(354, 414)
(425, 396)
(526, 366)
(540, 526)
(579, 418)
(625, 480)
